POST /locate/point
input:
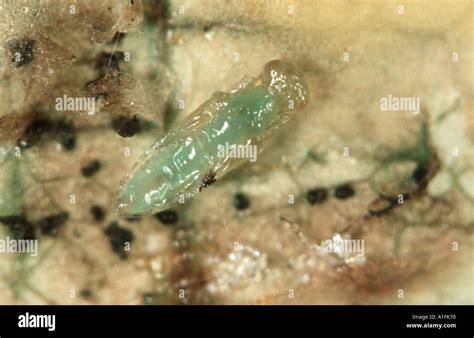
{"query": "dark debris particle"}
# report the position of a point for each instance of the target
(49, 225)
(97, 212)
(167, 216)
(19, 227)
(208, 179)
(118, 37)
(91, 168)
(420, 172)
(34, 132)
(119, 237)
(21, 51)
(40, 127)
(344, 191)
(126, 127)
(66, 135)
(241, 201)
(108, 61)
(316, 195)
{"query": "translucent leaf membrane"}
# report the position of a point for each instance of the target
(178, 164)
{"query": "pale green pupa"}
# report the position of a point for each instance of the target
(186, 158)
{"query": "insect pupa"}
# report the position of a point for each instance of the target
(178, 163)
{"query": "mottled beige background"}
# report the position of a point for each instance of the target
(186, 50)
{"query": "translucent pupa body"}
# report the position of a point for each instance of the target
(177, 164)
